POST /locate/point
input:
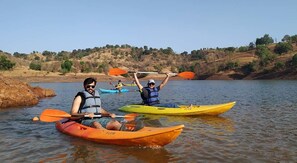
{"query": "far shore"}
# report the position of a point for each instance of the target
(72, 77)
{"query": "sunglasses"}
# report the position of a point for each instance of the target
(151, 84)
(91, 86)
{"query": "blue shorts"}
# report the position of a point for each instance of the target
(103, 121)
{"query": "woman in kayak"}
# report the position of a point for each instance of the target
(150, 93)
(88, 102)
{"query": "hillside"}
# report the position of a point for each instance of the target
(208, 64)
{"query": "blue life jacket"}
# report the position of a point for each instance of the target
(153, 96)
(90, 103)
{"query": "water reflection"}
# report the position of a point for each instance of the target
(83, 151)
(191, 122)
(56, 158)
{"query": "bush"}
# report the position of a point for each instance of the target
(264, 54)
(294, 60)
(5, 64)
(230, 50)
(66, 66)
(229, 66)
(283, 47)
(103, 68)
(35, 66)
(279, 66)
(250, 67)
(243, 49)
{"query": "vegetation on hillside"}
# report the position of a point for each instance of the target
(258, 58)
(5, 64)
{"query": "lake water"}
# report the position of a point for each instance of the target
(261, 127)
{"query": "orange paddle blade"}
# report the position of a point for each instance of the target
(53, 115)
(117, 71)
(187, 75)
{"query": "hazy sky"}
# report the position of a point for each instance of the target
(183, 25)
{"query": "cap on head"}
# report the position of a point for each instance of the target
(151, 81)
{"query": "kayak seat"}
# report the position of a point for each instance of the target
(132, 126)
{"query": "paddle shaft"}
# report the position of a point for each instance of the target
(185, 74)
(153, 72)
(52, 115)
(98, 116)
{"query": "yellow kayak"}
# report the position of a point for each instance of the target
(182, 110)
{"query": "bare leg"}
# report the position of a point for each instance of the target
(113, 125)
(97, 125)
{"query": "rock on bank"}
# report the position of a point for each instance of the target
(14, 93)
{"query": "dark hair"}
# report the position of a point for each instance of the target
(89, 81)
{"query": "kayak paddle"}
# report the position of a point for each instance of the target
(53, 115)
(118, 71)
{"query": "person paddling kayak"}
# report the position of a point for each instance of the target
(88, 102)
(150, 93)
(118, 86)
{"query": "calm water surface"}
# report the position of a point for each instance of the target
(262, 127)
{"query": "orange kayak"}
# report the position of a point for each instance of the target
(147, 136)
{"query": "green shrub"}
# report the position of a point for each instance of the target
(278, 66)
(243, 49)
(294, 60)
(283, 47)
(5, 64)
(229, 66)
(264, 54)
(229, 49)
(35, 66)
(66, 66)
(250, 67)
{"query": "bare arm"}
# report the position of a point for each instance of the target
(137, 81)
(75, 105)
(164, 82)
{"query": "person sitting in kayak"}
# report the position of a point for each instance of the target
(150, 93)
(119, 85)
(88, 102)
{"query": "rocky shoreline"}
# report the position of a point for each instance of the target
(14, 93)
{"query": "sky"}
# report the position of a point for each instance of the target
(183, 25)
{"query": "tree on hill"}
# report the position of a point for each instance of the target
(290, 39)
(66, 66)
(251, 46)
(265, 40)
(20, 55)
(264, 54)
(286, 38)
(283, 47)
